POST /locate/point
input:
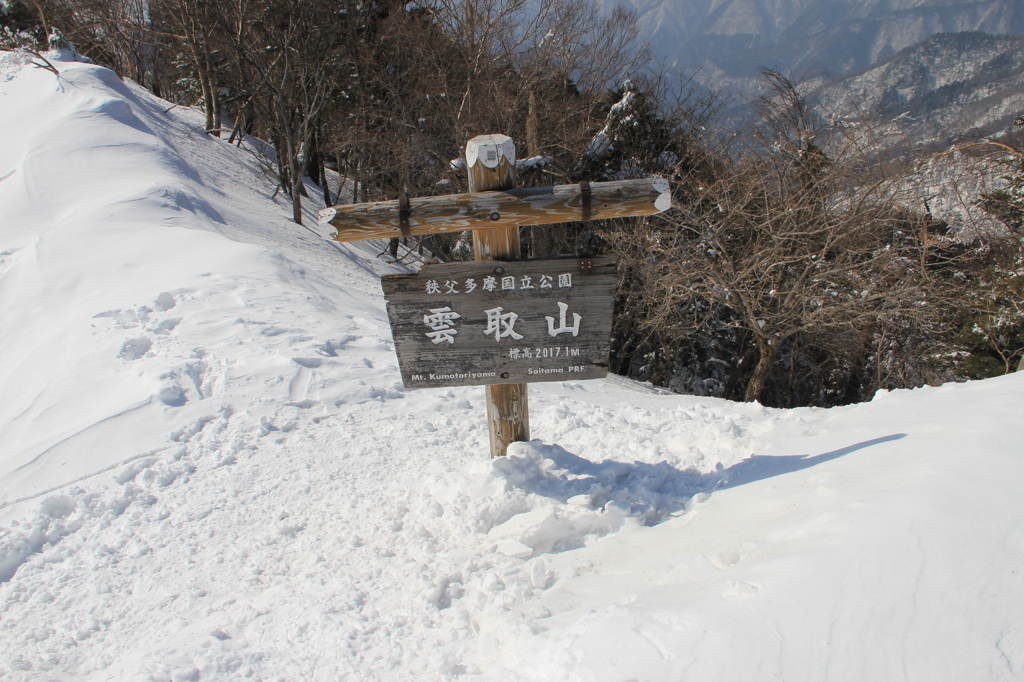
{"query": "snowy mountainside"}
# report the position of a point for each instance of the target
(942, 88)
(724, 42)
(734, 37)
(94, 227)
(210, 470)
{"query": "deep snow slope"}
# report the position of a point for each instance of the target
(209, 468)
(119, 222)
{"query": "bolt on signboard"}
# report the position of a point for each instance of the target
(502, 322)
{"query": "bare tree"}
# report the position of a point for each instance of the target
(193, 25)
(284, 55)
(996, 299)
(554, 60)
(115, 33)
(796, 235)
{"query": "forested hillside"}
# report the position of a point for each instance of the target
(798, 267)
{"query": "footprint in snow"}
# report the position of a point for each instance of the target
(133, 349)
(166, 326)
(164, 301)
(172, 396)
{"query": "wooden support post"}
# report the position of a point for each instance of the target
(491, 164)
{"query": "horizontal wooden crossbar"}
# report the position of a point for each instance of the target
(481, 210)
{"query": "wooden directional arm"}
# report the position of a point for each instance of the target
(479, 210)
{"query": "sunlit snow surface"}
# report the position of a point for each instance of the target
(210, 470)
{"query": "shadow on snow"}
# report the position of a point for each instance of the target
(649, 493)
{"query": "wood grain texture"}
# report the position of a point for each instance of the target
(492, 241)
(508, 416)
(496, 209)
(491, 165)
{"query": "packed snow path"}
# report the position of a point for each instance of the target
(210, 469)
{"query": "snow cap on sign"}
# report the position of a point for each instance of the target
(664, 200)
(323, 226)
(326, 215)
(489, 149)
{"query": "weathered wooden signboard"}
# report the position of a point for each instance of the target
(502, 322)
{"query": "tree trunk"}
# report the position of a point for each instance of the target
(768, 351)
(312, 161)
(204, 81)
(292, 161)
(295, 182)
(357, 179)
(283, 174)
(209, 89)
(218, 115)
(342, 176)
(323, 177)
(297, 197)
(38, 6)
(532, 136)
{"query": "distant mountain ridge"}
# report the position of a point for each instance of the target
(950, 85)
(729, 39)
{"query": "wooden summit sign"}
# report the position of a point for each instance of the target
(502, 322)
(459, 324)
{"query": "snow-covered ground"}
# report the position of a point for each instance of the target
(210, 470)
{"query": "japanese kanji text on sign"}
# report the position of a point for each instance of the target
(502, 321)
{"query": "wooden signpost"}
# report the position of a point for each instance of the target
(505, 322)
